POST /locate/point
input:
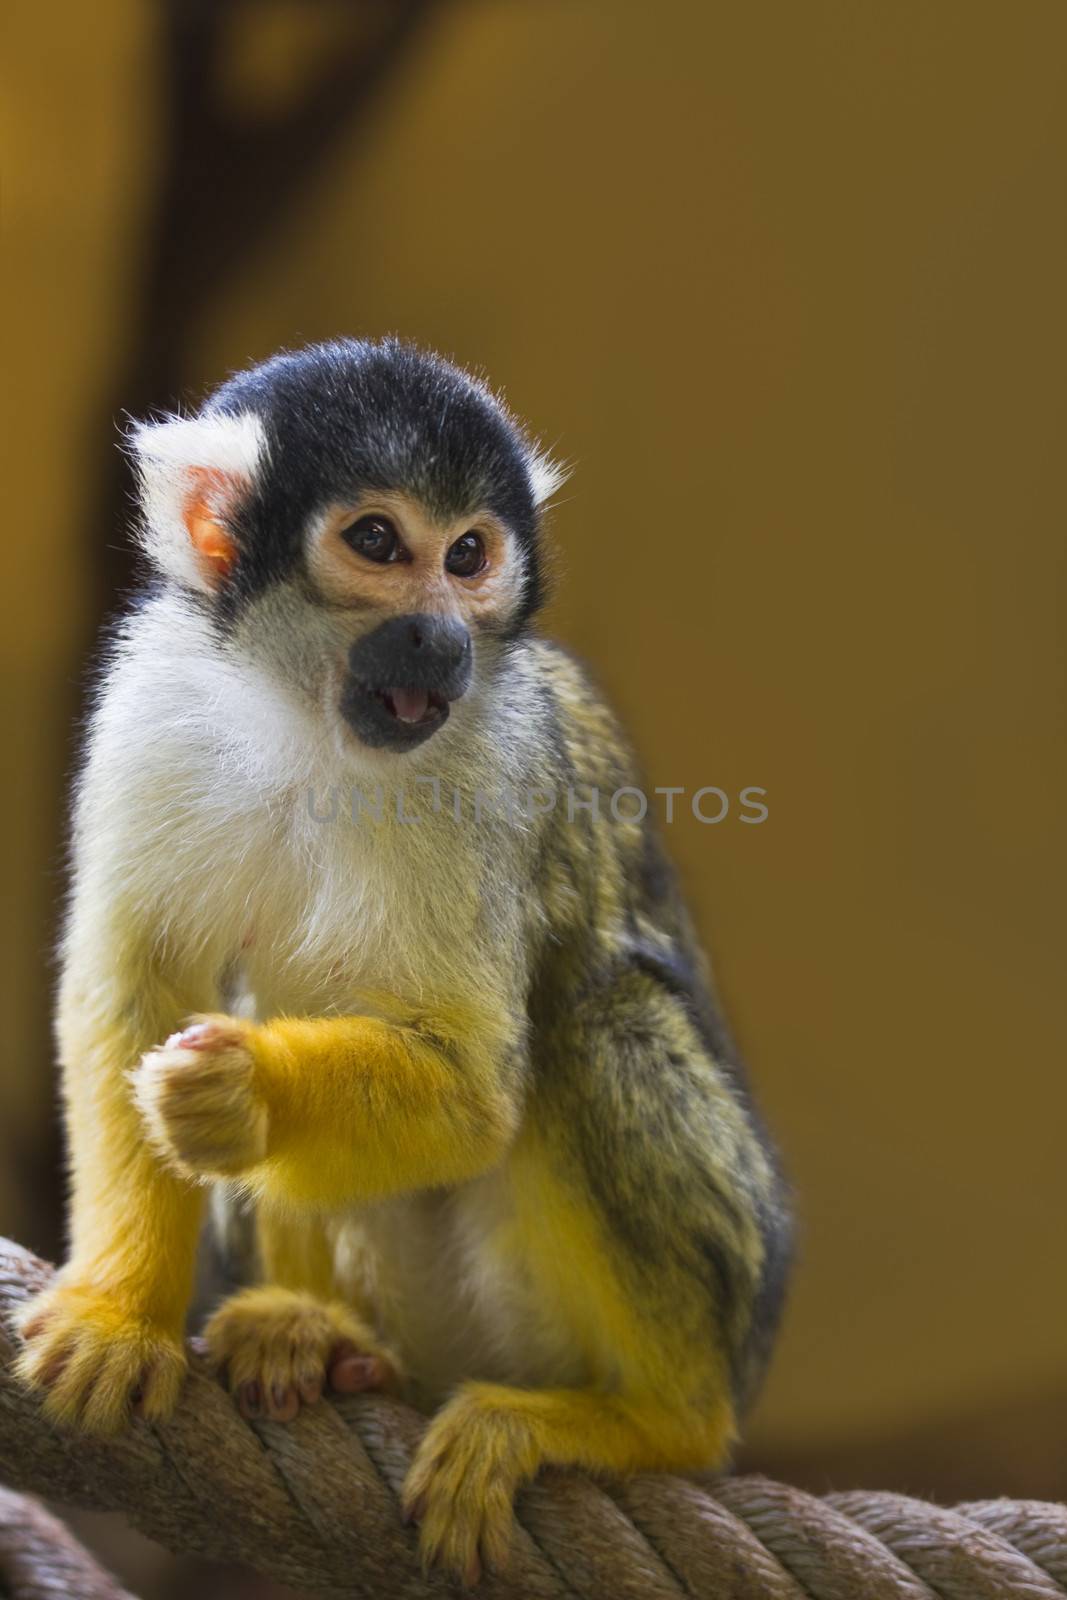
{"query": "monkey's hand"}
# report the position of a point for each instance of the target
(96, 1358)
(277, 1349)
(198, 1097)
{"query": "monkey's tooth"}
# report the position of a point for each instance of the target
(409, 705)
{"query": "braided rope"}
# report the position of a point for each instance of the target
(41, 1560)
(313, 1503)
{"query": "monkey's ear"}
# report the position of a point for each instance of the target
(546, 475)
(192, 471)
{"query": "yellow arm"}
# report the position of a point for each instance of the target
(329, 1111)
(359, 1106)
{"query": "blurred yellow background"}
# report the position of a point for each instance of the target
(785, 283)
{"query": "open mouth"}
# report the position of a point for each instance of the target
(393, 717)
(416, 707)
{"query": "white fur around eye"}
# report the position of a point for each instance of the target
(167, 455)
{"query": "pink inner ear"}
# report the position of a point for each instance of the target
(211, 491)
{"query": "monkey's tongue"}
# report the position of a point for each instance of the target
(408, 705)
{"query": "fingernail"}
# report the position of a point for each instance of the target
(253, 1398)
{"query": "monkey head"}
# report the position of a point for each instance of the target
(359, 521)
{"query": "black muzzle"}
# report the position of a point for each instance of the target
(402, 678)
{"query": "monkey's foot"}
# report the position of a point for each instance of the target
(198, 1099)
(462, 1483)
(277, 1350)
(96, 1360)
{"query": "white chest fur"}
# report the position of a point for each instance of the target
(221, 812)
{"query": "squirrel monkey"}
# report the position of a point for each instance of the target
(464, 1068)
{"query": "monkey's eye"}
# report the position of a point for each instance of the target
(466, 557)
(375, 538)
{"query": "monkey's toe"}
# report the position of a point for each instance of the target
(462, 1484)
(277, 1350)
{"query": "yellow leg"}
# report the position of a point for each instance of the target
(107, 1334)
(279, 1345)
(294, 1250)
(489, 1439)
(297, 1249)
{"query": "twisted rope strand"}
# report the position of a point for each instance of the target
(314, 1503)
(41, 1560)
(957, 1556)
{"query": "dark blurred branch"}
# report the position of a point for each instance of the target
(229, 182)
